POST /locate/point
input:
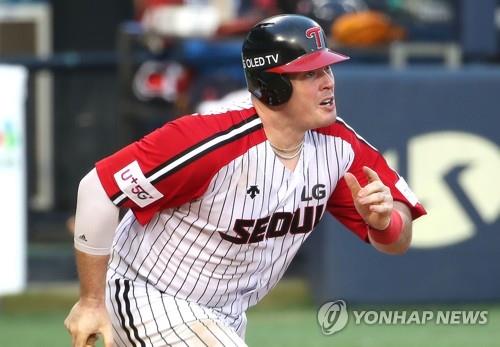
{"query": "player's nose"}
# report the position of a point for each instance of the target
(327, 79)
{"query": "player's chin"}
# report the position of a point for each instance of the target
(328, 117)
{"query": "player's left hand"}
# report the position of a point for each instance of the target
(374, 201)
(87, 320)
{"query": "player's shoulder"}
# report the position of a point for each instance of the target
(220, 115)
(341, 129)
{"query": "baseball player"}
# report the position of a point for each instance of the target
(218, 204)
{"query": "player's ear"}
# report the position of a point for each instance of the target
(275, 89)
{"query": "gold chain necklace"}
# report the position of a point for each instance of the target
(288, 153)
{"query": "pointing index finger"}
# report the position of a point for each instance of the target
(352, 183)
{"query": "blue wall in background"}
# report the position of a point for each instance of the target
(441, 129)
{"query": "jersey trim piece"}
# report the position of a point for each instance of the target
(136, 186)
(126, 307)
(202, 148)
(406, 191)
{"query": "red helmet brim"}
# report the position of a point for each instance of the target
(311, 61)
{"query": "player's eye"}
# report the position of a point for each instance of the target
(310, 73)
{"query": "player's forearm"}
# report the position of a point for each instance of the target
(403, 242)
(92, 275)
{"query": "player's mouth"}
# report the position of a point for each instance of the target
(329, 103)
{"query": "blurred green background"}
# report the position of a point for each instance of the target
(287, 317)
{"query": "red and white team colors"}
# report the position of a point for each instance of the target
(215, 218)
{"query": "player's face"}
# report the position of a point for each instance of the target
(312, 104)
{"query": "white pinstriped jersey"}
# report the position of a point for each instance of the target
(215, 217)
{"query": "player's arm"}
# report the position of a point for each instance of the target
(95, 222)
(389, 222)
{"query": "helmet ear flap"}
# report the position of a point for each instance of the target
(275, 89)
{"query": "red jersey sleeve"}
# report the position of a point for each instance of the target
(340, 203)
(175, 163)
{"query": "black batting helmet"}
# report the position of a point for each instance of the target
(279, 45)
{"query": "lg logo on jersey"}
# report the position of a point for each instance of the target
(318, 192)
(277, 225)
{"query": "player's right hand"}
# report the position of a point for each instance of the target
(374, 201)
(86, 321)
